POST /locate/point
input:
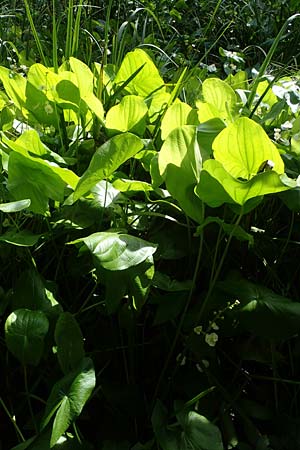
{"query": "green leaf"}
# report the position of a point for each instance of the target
(128, 115)
(243, 146)
(12, 207)
(15, 86)
(85, 81)
(198, 432)
(206, 134)
(176, 115)
(219, 101)
(25, 331)
(33, 179)
(22, 238)
(134, 281)
(262, 311)
(107, 159)
(167, 438)
(42, 442)
(31, 175)
(217, 186)
(69, 342)
(147, 79)
(164, 282)
(180, 159)
(32, 292)
(68, 397)
(40, 91)
(114, 251)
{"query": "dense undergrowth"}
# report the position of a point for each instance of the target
(149, 220)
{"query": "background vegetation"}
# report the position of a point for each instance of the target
(149, 220)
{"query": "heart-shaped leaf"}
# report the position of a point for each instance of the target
(25, 331)
(114, 251)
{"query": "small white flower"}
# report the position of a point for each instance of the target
(48, 108)
(277, 134)
(214, 326)
(181, 359)
(198, 329)
(211, 339)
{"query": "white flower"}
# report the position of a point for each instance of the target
(277, 134)
(214, 326)
(198, 329)
(211, 339)
(48, 108)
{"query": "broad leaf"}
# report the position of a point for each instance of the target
(219, 101)
(114, 251)
(69, 342)
(262, 311)
(206, 134)
(128, 115)
(15, 86)
(134, 281)
(12, 207)
(243, 146)
(25, 331)
(107, 159)
(24, 238)
(198, 432)
(217, 186)
(85, 81)
(180, 159)
(177, 115)
(68, 397)
(40, 90)
(147, 79)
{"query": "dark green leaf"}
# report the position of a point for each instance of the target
(25, 331)
(69, 342)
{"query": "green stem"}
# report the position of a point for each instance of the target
(179, 328)
(13, 420)
(28, 399)
(35, 35)
(218, 270)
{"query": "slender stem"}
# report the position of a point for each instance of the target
(268, 58)
(35, 35)
(13, 420)
(28, 399)
(179, 328)
(218, 270)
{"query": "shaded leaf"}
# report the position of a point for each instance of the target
(25, 331)
(69, 342)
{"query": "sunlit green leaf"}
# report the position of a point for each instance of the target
(12, 207)
(217, 186)
(146, 81)
(68, 397)
(243, 146)
(178, 114)
(107, 159)
(114, 251)
(128, 115)
(219, 101)
(180, 159)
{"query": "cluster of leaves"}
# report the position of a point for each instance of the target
(148, 271)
